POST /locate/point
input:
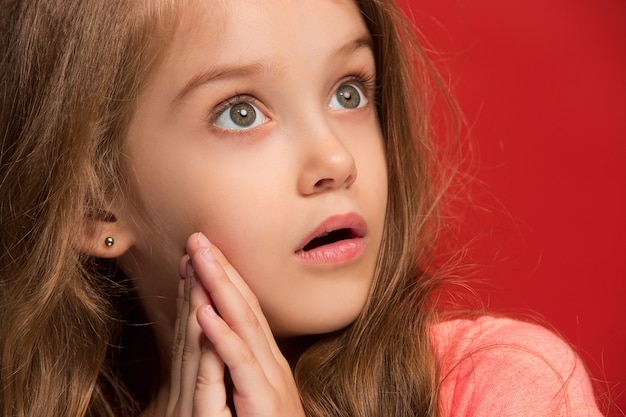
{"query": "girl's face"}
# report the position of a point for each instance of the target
(259, 129)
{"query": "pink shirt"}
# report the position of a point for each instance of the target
(501, 367)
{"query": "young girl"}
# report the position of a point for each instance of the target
(277, 156)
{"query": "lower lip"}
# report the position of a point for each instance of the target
(334, 253)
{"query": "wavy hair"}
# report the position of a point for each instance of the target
(384, 365)
(70, 71)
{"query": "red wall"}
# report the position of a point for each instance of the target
(543, 86)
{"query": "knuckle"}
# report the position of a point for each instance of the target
(246, 357)
(283, 365)
(248, 320)
(205, 382)
(190, 347)
(188, 351)
(254, 302)
(176, 349)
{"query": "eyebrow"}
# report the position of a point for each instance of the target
(238, 71)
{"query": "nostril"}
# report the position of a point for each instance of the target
(324, 182)
(331, 182)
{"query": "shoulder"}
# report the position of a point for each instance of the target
(496, 366)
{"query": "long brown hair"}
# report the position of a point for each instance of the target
(69, 72)
(383, 365)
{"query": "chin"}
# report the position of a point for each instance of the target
(315, 325)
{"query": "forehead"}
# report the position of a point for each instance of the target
(233, 30)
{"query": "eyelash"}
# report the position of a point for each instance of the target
(366, 81)
(233, 101)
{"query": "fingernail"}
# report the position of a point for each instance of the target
(209, 311)
(182, 270)
(208, 254)
(203, 241)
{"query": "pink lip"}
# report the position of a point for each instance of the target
(344, 250)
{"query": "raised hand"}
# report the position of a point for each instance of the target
(239, 337)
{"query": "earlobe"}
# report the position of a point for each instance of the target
(106, 237)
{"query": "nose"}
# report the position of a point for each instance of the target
(327, 163)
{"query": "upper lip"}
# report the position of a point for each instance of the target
(351, 221)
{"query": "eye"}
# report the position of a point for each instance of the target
(347, 97)
(239, 115)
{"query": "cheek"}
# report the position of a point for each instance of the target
(372, 170)
(248, 226)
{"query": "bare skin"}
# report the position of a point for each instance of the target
(239, 338)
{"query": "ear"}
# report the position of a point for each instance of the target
(106, 236)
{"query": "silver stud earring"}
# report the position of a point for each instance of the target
(109, 241)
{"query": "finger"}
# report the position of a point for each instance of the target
(192, 344)
(232, 306)
(179, 335)
(199, 241)
(241, 336)
(249, 296)
(246, 371)
(210, 397)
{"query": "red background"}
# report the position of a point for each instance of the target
(543, 86)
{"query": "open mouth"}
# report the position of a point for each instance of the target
(329, 238)
(338, 239)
